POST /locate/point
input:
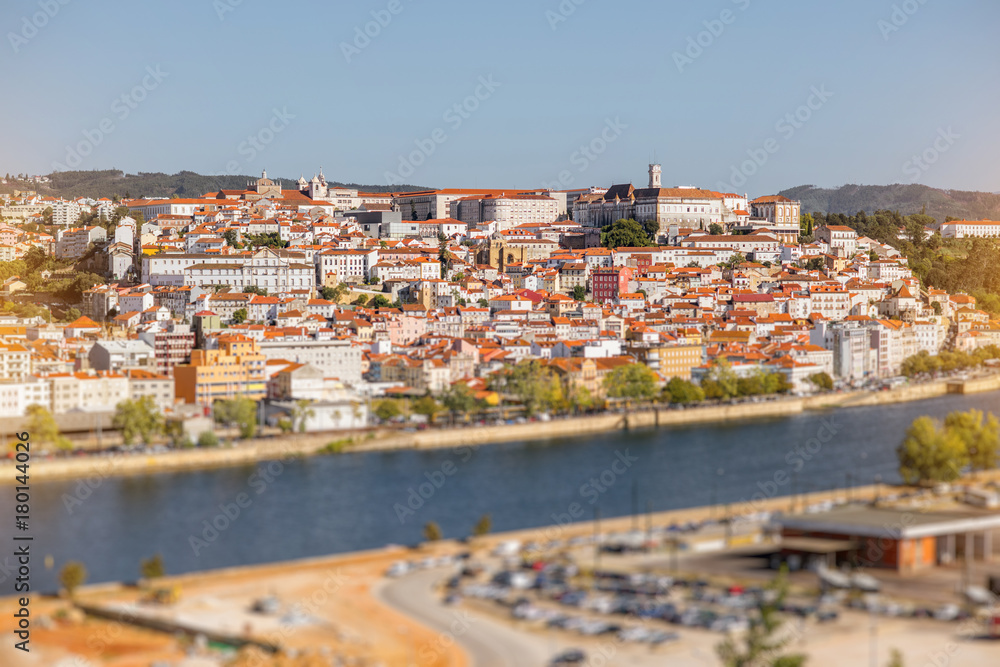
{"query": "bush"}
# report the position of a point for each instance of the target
(72, 576)
(432, 532)
(208, 439)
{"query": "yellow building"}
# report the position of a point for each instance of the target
(234, 370)
(669, 361)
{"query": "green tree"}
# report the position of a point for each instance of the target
(931, 453)
(240, 315)
(980, 435)
(72, 576)
(459, 399)
(483, 526)
(682, 392)
(427, 406)
(138, 420)
(72, 290)
(625, 234)
(208, 439)
(152, 568)
(734, 261)
(339, 292)
(715, 229)
(361, 300)
(652, 229)
(239, 412)
(822, 381)
(763, 645)
(634, 382)
(432, 532)
(806, 223)
(721, 382)
(579, 293)
(35, 259)
(232, 238)
(388, 409)
(72, 315)
(379, 301)
(579, 398)
(536, 387)
(43, 428)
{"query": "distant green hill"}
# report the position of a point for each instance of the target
(906, 199)
(111, 182)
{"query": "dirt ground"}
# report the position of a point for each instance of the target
(324, 610)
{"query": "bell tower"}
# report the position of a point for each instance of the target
(655, 172)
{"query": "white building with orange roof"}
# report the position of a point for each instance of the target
(962, 229)
(82, 326)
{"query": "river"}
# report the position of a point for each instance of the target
(347, 502)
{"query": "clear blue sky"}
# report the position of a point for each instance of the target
(892, 92)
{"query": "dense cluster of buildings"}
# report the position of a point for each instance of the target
(223, 295)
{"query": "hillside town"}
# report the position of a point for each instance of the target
(336, 297)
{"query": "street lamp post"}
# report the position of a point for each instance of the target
(715, 491)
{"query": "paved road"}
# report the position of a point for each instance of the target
(487, 642)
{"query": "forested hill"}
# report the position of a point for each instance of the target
(111, 182)
(906, 199)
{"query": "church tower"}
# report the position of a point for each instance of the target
(655, 171)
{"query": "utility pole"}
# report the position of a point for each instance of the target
(649, 521)
(873, 649)
(635, 506)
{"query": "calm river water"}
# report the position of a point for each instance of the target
(346, 502)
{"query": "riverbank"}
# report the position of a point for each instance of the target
(338, 608)
(252, 451)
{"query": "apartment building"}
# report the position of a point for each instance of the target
(235, 369)
(99, 392)
(170, 348)
(116, 355)
(144, 382)
(833, 302)
(607, 283)
(16, 397)
(15, 362)
(73, 243)
(669, 360)
(334, 358)
(64, 213)
(337, 266)
(507, 209)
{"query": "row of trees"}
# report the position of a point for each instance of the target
(141, 420)
(433, 532)
(947, 361)
(458, 399)
(540, 389)
(935, 451)
(723, 383)
(74, 573)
